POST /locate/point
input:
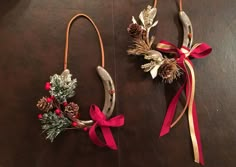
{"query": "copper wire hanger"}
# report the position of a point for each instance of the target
(67, 39)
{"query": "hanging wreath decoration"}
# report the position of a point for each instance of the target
(58, 113)
(170, 62)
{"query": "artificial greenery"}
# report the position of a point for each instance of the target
(157, 64)
(53, 125)
(62, 86)
(54, 117)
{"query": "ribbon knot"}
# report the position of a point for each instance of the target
(105, 124)
(182, 55)
(101, 122)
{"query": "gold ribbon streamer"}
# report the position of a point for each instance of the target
(190, 113)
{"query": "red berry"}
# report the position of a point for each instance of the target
(49, 100)
(47, 86)
(52, 97)
(65, 103)
(40, 116)
(74, 124)
(85, 129)
(58, 111)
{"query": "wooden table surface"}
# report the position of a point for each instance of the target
(32, 38)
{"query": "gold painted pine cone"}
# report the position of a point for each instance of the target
(43, 105)
(134, 30)
(169, 70)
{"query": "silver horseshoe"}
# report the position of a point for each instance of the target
(110, 98)
(187, 28)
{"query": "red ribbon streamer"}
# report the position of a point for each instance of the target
(182, 57)
(105, 124)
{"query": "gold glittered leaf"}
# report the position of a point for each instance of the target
(134, 20)
(147, 16)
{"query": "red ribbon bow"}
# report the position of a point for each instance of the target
(105, 124)
(182, 56)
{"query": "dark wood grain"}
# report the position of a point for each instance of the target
(32, 37)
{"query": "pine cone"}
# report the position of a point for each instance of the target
(43, 105)
(134, 30)
(73, 109)
(169, 70)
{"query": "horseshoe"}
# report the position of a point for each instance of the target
(110, 97)
(109, 88)
(187, 28)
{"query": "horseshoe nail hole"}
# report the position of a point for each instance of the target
(189, 29)
(110, 99)
(109, 109)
